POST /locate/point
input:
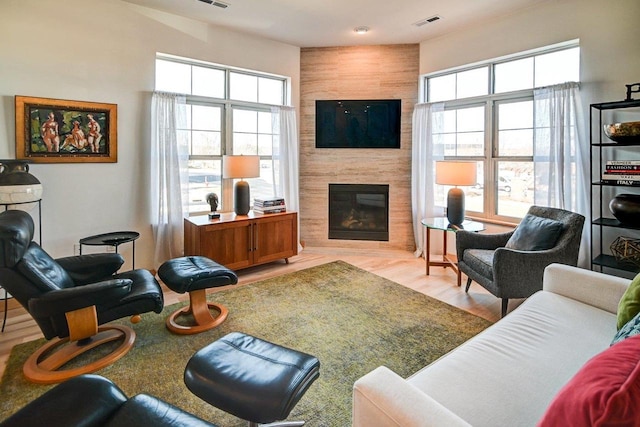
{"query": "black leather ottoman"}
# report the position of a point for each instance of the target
(196, 274)
(253, 379)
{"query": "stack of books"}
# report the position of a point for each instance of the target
(267, 206)
(622, 172)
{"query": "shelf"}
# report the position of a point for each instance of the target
(610, 261)
(613, 144)
(611, 222)
(603, 149)
(616, 104)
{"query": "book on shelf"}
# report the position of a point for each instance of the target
(623, 163)
(621, 172)
(622, 169)
(629, 182)
(625, 177)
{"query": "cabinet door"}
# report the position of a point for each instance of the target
(275, 238)
(228, 244)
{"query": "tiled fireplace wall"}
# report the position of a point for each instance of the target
(359, 72)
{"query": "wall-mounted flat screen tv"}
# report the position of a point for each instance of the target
(358, 124)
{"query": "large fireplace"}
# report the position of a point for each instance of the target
(359, 212)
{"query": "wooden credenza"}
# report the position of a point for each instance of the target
(241, 241)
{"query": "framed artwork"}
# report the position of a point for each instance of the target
(62, 131)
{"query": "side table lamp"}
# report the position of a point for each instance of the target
(240, 167)
(455, 173)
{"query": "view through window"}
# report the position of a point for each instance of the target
(228, 112)
(490, 118)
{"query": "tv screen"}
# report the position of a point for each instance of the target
(358, 124)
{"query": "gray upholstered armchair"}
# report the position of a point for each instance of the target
(511, 265)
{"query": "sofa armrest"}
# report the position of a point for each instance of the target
(89, 268)
(472, 240)
(509, 265)
(384, 399)
(590, 287)
(64, 300)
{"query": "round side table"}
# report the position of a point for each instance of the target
(114, 239)
(442, 223)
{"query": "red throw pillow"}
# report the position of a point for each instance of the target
(604, 392)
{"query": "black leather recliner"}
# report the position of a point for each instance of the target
(92, 400)
(69, 298)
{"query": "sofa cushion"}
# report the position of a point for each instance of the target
(629, 304)
(480, 260)
(630, 329)
(538, 347)
(535, 233)
(606, 391)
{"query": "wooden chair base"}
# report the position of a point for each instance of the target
(201, 311)
(42, 366)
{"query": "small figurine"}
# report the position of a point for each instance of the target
(212, 199)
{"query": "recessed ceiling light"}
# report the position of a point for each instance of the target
(361, 30)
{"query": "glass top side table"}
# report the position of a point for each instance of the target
(442, 223)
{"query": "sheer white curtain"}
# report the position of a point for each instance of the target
(286, 158)
(169, 176)
(426, 148)
(561, 156)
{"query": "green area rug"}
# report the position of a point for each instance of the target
(352, 320)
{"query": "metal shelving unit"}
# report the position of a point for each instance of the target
(604, 149)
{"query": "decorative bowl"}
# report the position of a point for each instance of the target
(623, 133)
(626, 209)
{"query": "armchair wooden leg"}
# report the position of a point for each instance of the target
(468, 284)
(505, 303)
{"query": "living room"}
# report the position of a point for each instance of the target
(105, 51)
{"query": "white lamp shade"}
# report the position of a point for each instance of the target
(456, 173)
(240, 166)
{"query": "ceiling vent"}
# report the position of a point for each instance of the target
(215, 3)
(427, 21)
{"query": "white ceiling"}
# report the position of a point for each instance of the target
(320, 23)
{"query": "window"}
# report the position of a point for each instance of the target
(490, 117)
(228, 112)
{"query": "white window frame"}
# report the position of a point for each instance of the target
(227, 105)
(490, 158)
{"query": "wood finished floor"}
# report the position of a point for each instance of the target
(399, 266)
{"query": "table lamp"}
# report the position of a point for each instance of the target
(234, 167)
(455, 173)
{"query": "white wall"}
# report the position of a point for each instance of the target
(104, 51)
(609, 34)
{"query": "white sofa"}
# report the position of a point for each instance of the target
(508, 374)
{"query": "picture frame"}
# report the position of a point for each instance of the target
(64, 131)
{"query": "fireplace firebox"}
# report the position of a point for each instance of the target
(359, 212)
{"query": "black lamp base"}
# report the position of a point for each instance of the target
(241, 198)
(455, 206)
